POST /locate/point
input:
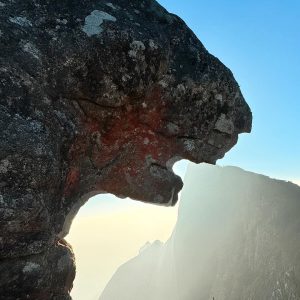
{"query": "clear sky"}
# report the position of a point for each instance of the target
(260, 42)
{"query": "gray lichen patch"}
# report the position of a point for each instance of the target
(224, 125)
(172, 128)
(93, 22)
(22, 21)
(31, 49)
(30, 267)
(62, 21)
(152, 45)
(5, 165)
(136, 46)
(219, 97)
(189, 145)
(110, 5)
(63, 263)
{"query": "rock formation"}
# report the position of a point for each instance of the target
(97, 97)
(237, 237)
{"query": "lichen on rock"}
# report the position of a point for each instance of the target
(91, 102)
(94, 21)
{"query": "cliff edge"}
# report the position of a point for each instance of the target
(237, 237)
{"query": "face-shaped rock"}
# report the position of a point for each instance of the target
(151, 97)
(97, 97)
(106, 99)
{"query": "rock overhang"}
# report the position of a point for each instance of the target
(177, 99)
(100, 97)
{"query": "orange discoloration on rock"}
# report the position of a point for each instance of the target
(72, 180)
(133, 134)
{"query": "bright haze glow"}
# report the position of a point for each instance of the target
(237, 237)
(108, 231)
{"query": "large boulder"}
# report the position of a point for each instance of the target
(97, 97)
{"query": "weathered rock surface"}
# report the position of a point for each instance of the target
(237, 237)
(97, 97)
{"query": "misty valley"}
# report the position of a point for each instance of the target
(236, 237)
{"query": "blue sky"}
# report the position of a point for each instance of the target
(260, 42)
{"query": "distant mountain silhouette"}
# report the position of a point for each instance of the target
(237, 237)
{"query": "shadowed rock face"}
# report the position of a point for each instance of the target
(97, 97)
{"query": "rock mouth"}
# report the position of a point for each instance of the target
(166, 185)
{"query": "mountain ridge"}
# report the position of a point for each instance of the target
(237, 237)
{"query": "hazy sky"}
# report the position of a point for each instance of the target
(260, 42)
(104, 239)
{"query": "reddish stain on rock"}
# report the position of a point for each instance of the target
(72, 180)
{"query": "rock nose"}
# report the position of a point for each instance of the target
(243, 121)
(166, 187)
